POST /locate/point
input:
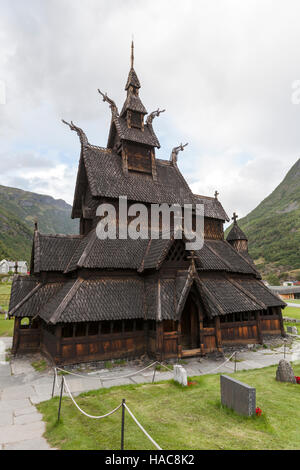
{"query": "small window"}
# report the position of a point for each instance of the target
(105, 327)
(67, 331)
(118, 326)
(80, 329)
(128, 325)
(152, 325)
(139, 324)
(93, 329)
(170, 325)
(208, 323)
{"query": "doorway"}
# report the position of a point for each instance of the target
(190, 337)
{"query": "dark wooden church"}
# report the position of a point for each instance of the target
(90, 299)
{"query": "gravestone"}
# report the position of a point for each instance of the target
(292, 329)
(180, 375)
(238, 396)
(285, 372)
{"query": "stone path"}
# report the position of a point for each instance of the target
(21, 387)
(289, 304)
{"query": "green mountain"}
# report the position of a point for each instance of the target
(273, 229)
(18, 210)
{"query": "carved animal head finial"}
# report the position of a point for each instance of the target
(153, 115)
(175, 152)
(111, 103)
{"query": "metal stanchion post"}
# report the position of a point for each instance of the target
(123, 424)
(60, 398)
(154, 374)
(54, 380)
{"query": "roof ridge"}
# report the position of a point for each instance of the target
(212, 299)
(239, 254)
(88, 247)
(66, 300)
(30, 294)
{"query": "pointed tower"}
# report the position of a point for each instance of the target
(237, 238)
(130, 136)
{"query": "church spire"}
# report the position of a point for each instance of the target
(132, 54)
(133, 82)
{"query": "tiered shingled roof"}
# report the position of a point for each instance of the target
(78, 286)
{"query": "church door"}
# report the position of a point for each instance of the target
(190, 326)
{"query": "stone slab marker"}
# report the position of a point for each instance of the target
(292, 329)
(180, 375)
(238, 396)
(284, 372)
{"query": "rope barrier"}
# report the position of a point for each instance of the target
(141, 427)
(216, 368)
(65, 385)
(83, 412)
(115, 377)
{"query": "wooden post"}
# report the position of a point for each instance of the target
(258, 323)
(179, 337)
(123, 424)
(218, 334)
(283, 333)
(159, 340)
(235, 362)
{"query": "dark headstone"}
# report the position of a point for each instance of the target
(238, 396)
(285, 372)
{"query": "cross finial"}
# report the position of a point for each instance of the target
(234, 218)
(132, 53)
(216, 194)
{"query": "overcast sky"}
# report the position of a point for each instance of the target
(224, 71)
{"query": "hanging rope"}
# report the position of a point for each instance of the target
(83, 412)
(141, 427)
(116, 377)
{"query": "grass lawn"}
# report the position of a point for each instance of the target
(6, 326)
(292, 301)
(291, 312)
(180, 418)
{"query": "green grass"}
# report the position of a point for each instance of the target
(39, 366)
(292, 301)
(6, 326)
(291, 312)
(180, 418)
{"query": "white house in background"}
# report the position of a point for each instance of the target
(9, 266)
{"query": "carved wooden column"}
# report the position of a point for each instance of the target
(218, 334)
(179, 338)
(258, 324)
(159, 340)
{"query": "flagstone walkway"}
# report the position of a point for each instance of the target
(21, 387)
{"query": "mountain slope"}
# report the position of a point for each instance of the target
(273, 227)
(18, 210)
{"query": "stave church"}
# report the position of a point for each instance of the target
(92, 299)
